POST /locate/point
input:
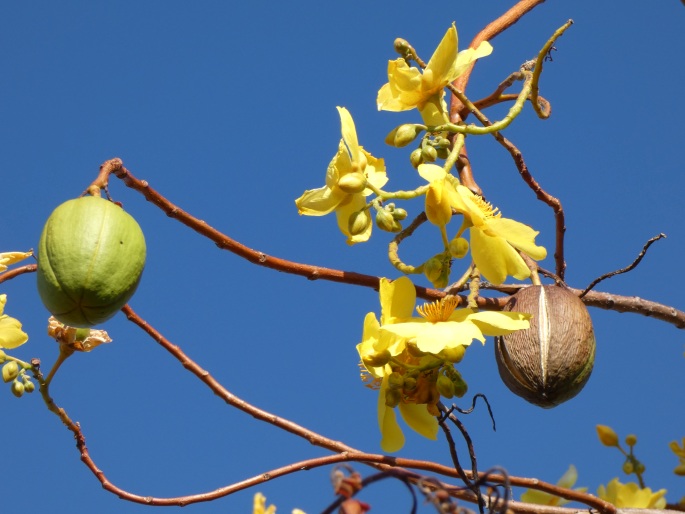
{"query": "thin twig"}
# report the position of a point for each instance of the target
(626, 269)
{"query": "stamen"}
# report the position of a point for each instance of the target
(486, 207)
(439, 310)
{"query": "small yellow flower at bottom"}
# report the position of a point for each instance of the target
(630, 495)
(259, 506)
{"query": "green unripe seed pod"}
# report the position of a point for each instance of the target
(10, 371)
(91, 256)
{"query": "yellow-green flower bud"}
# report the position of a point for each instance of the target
(443, 153)
(607, 436)
(402, 46)
(628, 467)
(352, 183)
(403, 135)
(395, 380)
(17, 389)
(10, 371)
(460, 387)
(399, 214)
(376, 359)
(432, 268)
(640, 468)
(409, 383)
(3, 356)
(359, 221)
(29, 386)
(416, 158)
(429, 154)
(385, 221)
(631, 439)
(459, 247)
(454, 354)
(392, 397)
(445, 386)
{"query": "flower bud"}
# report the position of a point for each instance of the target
(429, 154)
(445, 386)
(680, 470)
(403, 135)
(29, 386)
(352, 183)
(399, 214)
(640, 468)
(628, 467)
(454, 354)
(10, 371)
(385, 221)
(359, 221)
(416, 158)
(432, 268)
(376, 359)
(17, 389)
(460, 387)
(459, 247)
(409, 383)
(392, 397)
(395, 380)
(607, 436)
(631, 439)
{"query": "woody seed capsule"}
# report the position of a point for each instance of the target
(551, 361)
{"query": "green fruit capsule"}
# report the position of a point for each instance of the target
(90, 258)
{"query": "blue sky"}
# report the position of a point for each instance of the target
(229, 111)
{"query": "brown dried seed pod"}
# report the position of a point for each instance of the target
(551, 361)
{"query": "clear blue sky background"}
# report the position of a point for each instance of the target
(228, 109)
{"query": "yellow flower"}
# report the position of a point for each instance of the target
(400, 342)
(408, 88)
(494, 239)
(680, 453)
(567, 481)
(348, 173)
(11, 334)
(9, 258)
(259, 506)
(631, 496)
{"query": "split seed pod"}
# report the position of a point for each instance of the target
(551, 361)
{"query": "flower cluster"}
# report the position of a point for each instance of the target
(354, 175)
(410, 358)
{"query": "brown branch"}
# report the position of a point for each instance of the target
(10, 274)
(492, 30)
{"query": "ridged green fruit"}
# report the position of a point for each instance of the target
(90, 259)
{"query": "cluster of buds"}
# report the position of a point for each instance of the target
(609, 438)
(13, 372)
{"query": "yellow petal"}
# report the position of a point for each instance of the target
(437, 206)
(441, 65)
(419, 420)
(349, 133)
(519, 236)
(11, 334)
(9, 258)
(374, 171)
(318, 202)
(495, 258)
(392, 438)
(397, 299)
(431, 172)
(466, 57)
(495, 323)
(352, 204)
